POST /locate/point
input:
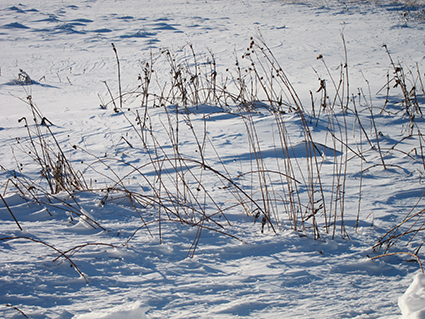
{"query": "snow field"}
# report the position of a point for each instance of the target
(239, 268)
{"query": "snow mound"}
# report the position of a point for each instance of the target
(412, 303)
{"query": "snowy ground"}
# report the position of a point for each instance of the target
(237, 270)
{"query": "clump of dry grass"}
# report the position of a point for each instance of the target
(281, 191)
(291, 186)
(41, 146)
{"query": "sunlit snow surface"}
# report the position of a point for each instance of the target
(413, 301)
(65, 47)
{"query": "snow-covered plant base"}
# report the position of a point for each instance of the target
(220, 159)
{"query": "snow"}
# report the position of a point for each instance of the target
(413, 301)
(101, 253)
